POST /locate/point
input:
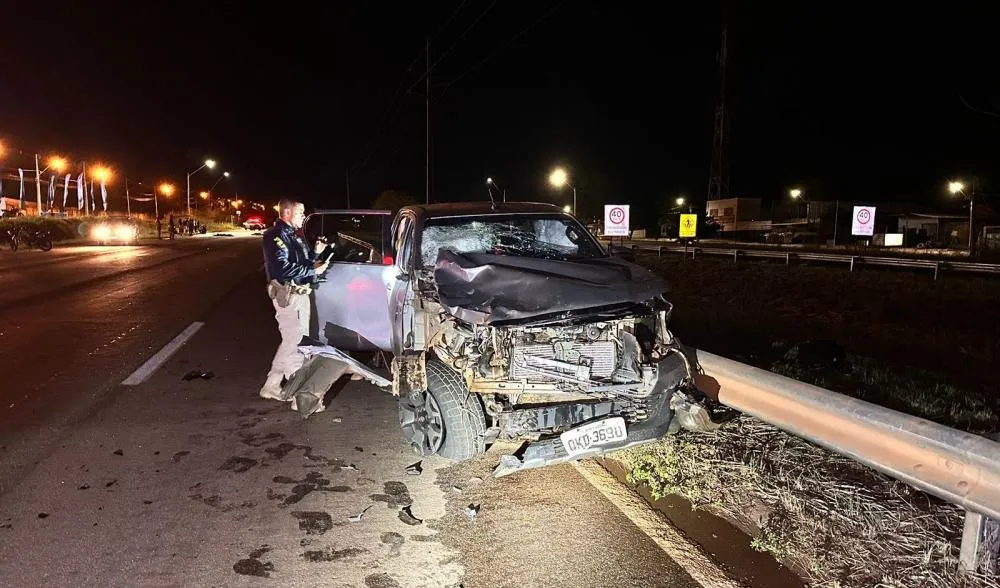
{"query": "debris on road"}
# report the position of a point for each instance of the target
(406, 515)
(357, 518)
(472, 510)
(337, 419)
(197, 375)
(119, 452)
(414, 469)
(43, 515)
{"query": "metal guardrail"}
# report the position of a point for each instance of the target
(937, 266)
(959, 467)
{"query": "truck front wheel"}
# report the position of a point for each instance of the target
(446, 419)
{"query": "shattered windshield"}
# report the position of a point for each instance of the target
(546, 237)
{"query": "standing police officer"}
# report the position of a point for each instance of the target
(291, 268)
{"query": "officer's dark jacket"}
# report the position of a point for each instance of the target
(286, 256)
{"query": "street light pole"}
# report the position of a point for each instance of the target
(38, 186)
(972, 200)
(209, 163)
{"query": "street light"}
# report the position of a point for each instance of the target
(165, 188)
(203, 194)
(680, 201)
(795, 193)
(101, 173)
(959, 188)
(210, 164)
(559, 178)
(491, 184)
(567, 209)
(57, 163)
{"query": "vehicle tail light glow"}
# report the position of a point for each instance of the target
(387, 260)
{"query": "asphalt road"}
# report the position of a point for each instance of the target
(202, 483)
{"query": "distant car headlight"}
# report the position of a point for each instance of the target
(102, 233)
(124, 232)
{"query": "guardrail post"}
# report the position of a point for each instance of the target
(852, 263)
(937, 268)
(659, 250)
(736, 253)
(788, 258)
(972, 538)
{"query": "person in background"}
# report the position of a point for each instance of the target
(291, 267)
(159, 228)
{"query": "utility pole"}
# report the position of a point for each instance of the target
(972, 201)
(427, 116)
(128, 205)
(718, 178)
(86, 201)
(347, 177)
(38, 185)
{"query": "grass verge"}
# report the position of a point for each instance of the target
(924, 348)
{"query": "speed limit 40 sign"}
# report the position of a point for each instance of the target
(616, 220)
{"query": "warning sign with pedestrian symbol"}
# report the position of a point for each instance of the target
(864, 221)
(689, 225)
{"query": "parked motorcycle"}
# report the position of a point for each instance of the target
(29, 237)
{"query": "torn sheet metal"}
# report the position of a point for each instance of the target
(483, 288)
(311, 347)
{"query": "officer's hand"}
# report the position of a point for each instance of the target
(320, 266)
(320, 246)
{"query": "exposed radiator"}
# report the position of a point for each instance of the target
(600, 353)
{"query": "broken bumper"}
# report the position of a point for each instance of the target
(670, 374)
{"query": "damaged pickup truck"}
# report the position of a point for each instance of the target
(509, 321)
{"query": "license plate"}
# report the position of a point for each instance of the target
(583, 438)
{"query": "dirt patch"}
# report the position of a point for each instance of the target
(313, 482)
(395, 495)
(253, 566)
(238, 465)
(330, 554)
(313, 522)
(382, 580)
(394, 541)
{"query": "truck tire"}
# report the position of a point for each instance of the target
(449, 420)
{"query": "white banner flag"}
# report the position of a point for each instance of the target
(81, 186)
(104, 196)
(65, 191)
(20, 174)
(93, 200)
(52, 192)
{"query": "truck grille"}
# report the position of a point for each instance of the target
(601, 354)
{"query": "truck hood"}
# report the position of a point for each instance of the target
(482, 288)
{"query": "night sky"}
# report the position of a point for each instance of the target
(849, 101)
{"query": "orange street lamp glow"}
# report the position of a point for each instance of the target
(167, 189)
(101, 173)
(57, 163)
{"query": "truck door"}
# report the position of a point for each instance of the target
(351, 309)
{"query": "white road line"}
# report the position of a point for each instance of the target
(690, 556)
(153, 363)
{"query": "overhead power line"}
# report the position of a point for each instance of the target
(393, 108)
